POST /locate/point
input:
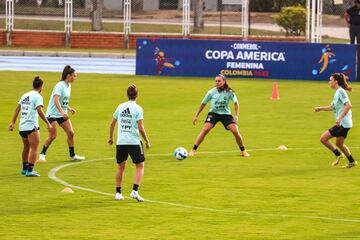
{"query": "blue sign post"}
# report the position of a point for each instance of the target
(275, 60)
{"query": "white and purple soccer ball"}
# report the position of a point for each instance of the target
(180, 153)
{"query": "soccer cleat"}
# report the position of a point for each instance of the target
(338, 159)
(350, 165)
(41, 158)
(23, 172)
(77, 158)
(192, 153)
(32, 174)
(135, 195)
(119, 196)
(244, 154)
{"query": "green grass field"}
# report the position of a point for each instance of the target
(274, 194)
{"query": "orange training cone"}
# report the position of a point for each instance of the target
(275, 92)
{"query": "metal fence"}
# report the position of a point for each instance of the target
(50, 15)
(181, 17)
(187, 17)
(150, 16)
(334, 26)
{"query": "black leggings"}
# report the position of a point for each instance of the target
(354, 31)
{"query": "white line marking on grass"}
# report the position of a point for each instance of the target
(268, 149)
(52, 176)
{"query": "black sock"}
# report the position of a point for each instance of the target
(118, 189)
(350, 158)
(337, 152)
(242, 148)
(135, 187)
(44, 150)
(72, 151)
(30, 167)
(195, 147)
(25, 165)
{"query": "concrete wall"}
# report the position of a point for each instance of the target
(151, 4)
(113, 4)
(52, 39)
(211, 5)
(108, 4)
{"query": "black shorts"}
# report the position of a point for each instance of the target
(136, 153)
(25, 134)
(225, 119)
(58, 120)
(336, 131)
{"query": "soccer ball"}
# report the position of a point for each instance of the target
(180, 153)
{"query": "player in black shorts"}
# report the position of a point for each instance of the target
(219, 98)
(30, 108)
(57, 113)
(129, 117)
(341, 106)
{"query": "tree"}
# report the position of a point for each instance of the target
(96, 15)
(198, 16)
(292, 19)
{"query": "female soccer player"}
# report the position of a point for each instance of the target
(343, 122)
(30, 107)
(129, 117)
(57, 113)
(219, 98)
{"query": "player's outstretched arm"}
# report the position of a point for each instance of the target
(72, 110)
(16, 113)
(236, 116)
(195, 118)
(58, 106)
(143, 133)
(112, 128)
(324, 108)
(346, 109)
(40, 111)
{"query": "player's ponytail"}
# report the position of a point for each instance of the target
(37, 82)
(226, 85)
(67, 70)
(342, 81)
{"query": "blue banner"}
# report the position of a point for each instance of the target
(276, 60)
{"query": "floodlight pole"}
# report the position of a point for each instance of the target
(221, 9)
(319, 22)
(9, 12)
(127, 22)
(308, 24)
(315, 27)
(68, 22)
(186, 18)
(245, 19)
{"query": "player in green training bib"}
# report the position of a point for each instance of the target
(130, 119)
(343, 119)
(220, 97)
(57, 113)
(30, 107)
